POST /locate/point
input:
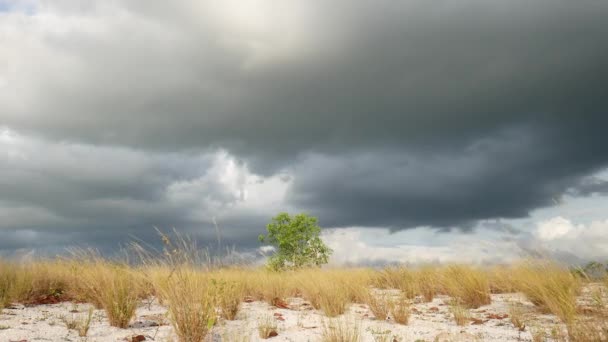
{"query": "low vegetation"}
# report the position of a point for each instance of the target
(199, 296)
(553, 289)
(340, 330)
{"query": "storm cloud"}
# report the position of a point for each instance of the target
(120, 116)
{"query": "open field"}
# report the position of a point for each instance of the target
(98, 300)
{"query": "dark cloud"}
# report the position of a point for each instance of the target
(588, 186)
(504, 176)
(384, 113)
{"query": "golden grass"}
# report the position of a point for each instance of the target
(550, 287)
(461, 315)
(588, 330)
(197, 297)
(228, 297)
(267, 327)
(379, 304)
(191, 303)
(516, 315)
(428, 282)
(399, 278)
(8, 279)
(113, 287)
(340, 330)
(329, 293)
(80, 324)
(401, 311)
(469, 286)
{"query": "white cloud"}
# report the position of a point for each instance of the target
(554, 228)
(351, 246)
(587, 241)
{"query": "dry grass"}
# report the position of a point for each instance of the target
(80, 324)
(379, 304)
(191, 303)
(588, 331)
(198, 296)
(550, 287)
(267, 327)
(8, 279)
(399, 278)
(516, 315)
(340, 330)
(467, 285)
(401, 312)
(428, 282)
(113, 287)
(228, 296)
(537, 333)
(327, 293)
(461, 315)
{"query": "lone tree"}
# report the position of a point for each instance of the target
(297, 241)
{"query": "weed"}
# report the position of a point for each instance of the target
(267, 327)
(516, 316)
(401, 312)
(461, 315)
(340, 330)
(79, 324)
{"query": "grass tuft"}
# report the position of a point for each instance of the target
(461, 315)
(550, 287)
(340, 330)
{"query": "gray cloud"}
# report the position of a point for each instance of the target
(393, 114)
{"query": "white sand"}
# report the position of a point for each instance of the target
(301, 323)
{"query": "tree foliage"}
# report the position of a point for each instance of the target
(297, 242)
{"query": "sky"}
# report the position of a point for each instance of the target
(416, 131)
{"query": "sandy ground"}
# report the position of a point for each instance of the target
(299, 323)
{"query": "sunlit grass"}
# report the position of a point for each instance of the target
(198, 297)
(550, 287)
(469, 286)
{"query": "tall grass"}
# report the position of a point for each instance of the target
(461, 315)
(379, 304)
(428, 282)
(115, 288)
(470, 287)
(399, 278)
(8, 279)
(401, 311)
(550, 287)
(191, 303)
(327, 293)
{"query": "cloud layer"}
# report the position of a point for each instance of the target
(118, 116)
